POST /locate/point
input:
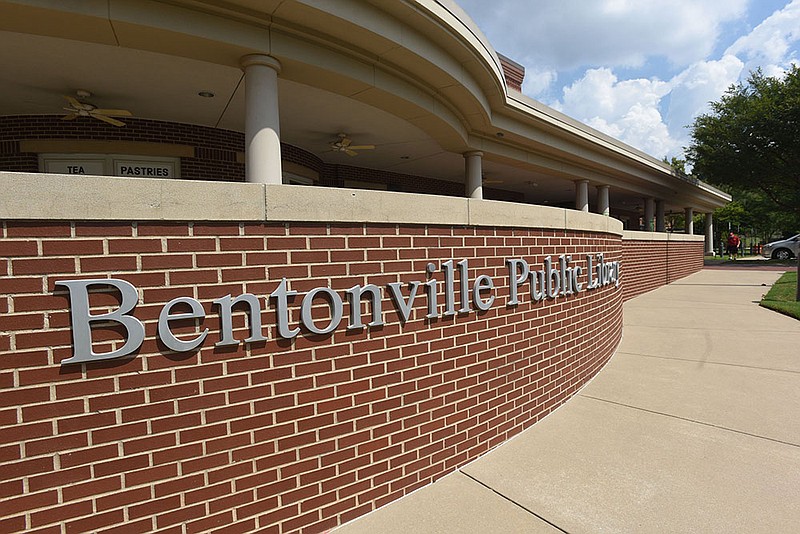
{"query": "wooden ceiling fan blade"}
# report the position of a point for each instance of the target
(109, 120)
(73, 102)
(71, 116)
(362, 147)
(350, 152)
(492, 182)
(113, 112)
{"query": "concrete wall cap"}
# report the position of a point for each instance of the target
(635, 235)
(92, 198)
(81, 197)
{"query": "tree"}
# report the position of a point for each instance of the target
(677, 164)
(750, 142)
(750, 211)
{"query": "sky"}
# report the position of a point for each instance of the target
(640, 70)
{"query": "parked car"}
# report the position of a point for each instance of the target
(783, 249)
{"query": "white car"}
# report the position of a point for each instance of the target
(782, 250)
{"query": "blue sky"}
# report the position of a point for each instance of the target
(640, 70)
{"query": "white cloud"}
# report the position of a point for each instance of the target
(600, 92)
(537, 81)
(630, 110)
(555, 39)
(572, 33)
(769, 44)
(627, 110)
(693, 89)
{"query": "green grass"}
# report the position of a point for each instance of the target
(781, 297)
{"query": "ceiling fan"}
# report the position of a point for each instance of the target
(485, 180)
(82, 109)
(344, 144)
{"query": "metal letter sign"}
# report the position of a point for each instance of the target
(82, 319)
(559, 278)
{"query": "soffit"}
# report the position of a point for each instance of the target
(430, 99)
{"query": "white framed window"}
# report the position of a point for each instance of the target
(111, 165)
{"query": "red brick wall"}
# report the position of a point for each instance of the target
(276, 436)
(648, 265)
(685, 258)
(215, 149)
(513, 72)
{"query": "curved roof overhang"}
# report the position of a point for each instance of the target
(421, 61)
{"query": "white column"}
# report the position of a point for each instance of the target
(582, 195)
(649, 213)
(473, 172)
(660, 222)
(709, 233)
(603, 200)
(262, 120)
(688, 214)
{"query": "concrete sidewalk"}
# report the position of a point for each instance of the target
(694, 426)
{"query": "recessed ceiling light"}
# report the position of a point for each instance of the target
(405, 157)
(206, 94)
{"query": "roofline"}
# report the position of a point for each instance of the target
(459, 21)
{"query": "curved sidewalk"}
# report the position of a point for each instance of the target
(694, 426)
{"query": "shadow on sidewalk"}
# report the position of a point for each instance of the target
(749, 262)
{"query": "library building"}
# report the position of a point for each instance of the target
(270, 265)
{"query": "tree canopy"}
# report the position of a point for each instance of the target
(750, 145)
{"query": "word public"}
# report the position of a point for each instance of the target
(555, 279)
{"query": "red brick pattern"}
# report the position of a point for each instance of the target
(685, 258)
(648, 265)
(215, 149)
(274, 436)
(513, 72)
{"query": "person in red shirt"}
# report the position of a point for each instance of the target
(733, 246)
